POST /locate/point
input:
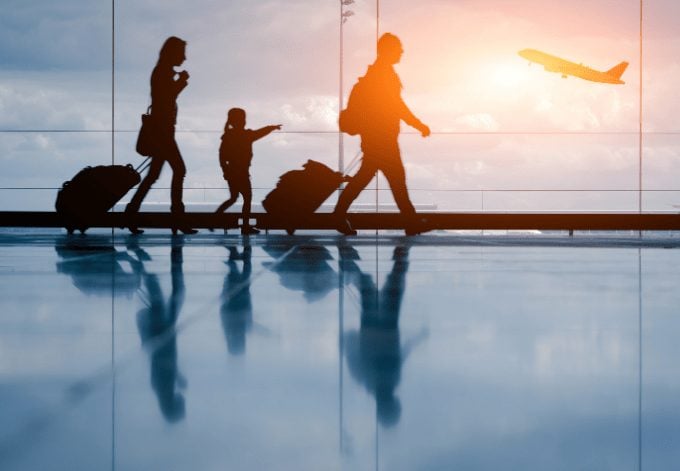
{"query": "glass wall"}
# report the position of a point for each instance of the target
(508, 135)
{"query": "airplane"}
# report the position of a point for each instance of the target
(564, 67)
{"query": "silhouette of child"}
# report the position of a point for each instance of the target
(236, 153)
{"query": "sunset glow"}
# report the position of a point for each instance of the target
(508, 74)
(461, 73)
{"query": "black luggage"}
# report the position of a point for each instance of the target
(301, 192)
(93, 191)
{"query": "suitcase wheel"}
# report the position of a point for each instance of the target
(290, 231)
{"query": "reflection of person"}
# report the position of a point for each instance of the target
(236, 310)
(375, 354)
(236, 154)
(166, 85)
(384, 111)
(156, 324)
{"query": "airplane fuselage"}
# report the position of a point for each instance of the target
(565, 68)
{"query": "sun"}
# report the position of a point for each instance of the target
(507, 74)
(500, 79)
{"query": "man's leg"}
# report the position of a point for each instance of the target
(358, 182)
(396, 177)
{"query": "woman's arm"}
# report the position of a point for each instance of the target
(181, 82)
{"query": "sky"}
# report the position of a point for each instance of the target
(498, 123)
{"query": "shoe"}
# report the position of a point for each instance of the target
(346, 228)
(134, 230)
(183, 230)
(249, 230)
(416, 228)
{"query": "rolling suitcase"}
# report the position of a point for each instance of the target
(301, 192)
(93, 191)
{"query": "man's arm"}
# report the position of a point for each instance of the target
(409, 118)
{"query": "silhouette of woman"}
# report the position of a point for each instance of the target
(166, 85)
(236, 153)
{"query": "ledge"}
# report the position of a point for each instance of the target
(325, 221)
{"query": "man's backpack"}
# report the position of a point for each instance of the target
(353, 120)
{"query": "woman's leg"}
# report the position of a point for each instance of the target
(179, 171)
(144, 187)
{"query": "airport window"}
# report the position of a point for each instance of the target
(507, 135)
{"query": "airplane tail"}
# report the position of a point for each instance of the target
(618, 70)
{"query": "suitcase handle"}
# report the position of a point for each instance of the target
(144, 165)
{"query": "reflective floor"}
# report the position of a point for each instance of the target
(321, 353)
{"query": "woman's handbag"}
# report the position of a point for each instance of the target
(147, 137)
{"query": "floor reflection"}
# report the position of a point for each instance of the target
(236, 310)
(305, 269)
(156, 323)
(375, 353)
(543, 351)
(93, 268)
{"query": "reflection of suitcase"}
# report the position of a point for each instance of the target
(93, 191)
(301, 192)
(91, 267)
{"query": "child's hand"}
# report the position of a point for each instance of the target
(277, 126)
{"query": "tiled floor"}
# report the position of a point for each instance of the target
(318, 353)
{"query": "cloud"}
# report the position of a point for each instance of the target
(35, 100)
(477, 122)
(66, 35)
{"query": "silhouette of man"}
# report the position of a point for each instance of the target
(383, 111)
(156, 325)
(236, 310)
(375, 354)
(166, 85)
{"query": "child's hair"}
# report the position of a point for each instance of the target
(234, 115)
